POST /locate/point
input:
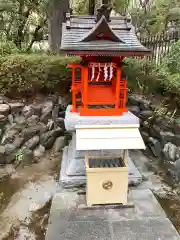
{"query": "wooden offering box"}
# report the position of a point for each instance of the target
(107, 179)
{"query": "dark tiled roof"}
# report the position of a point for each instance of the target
(80, 27)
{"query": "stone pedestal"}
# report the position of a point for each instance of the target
(73, 172)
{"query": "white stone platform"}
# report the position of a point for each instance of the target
(73, 119)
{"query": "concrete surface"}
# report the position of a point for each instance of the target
(71, 220)
(70, 166)
(72, 119)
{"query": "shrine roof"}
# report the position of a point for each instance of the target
(79, 37)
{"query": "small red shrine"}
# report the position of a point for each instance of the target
(99, 87)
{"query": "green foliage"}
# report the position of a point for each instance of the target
(146, 77)
(168, 71)
(33, 72)
(141, 75)
(22, 21)
(81, 7)
(8, 48)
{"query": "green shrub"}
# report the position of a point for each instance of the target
(33, 72)
(142, 76)
(169, 70)
(8, 48)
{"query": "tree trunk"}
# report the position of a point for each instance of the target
(57, 12)
(91, 7)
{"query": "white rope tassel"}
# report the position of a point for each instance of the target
(111, 72)
(93, 72)
(98, 76)
(105, 72)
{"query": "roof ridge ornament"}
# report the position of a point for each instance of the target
(105, 11)
(101, 30)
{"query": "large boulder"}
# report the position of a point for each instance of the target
(47, 139)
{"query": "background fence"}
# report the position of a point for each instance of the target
(160, 45)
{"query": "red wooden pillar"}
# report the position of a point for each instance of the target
(73, 92)
(85, 88)
(118, 78)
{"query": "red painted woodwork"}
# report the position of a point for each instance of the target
(98, 98)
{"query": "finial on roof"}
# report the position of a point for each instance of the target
(104, 10)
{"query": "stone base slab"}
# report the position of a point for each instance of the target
(67, 181)
(73, 119)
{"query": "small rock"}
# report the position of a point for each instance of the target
(3, 118)
(27, 111)
(155, 132)
(4, 109)
(27, 157)
(32, 143)
(135, 110)
(146, 114)
(10, 151)
(18, 142)
(16, 107)
(166, 137)
(155, 146)
(176, 140)
(33, 120)
(134, 100)
(2, 155)
(60, 122)
(37, 109)
(39, 151)
(55, 113)
(61, 114)
(50, 124)
(20, 120)
(10, 118)
(170, 151)
(144, 104)
(9, 136)
(48, 139)
(64, 101)
(145, 136)
(59, 144)
(4, 99)
(46, 111)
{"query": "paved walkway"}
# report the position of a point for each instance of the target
(70, 219)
